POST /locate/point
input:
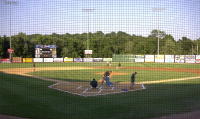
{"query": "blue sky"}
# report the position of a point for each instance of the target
(176, 17)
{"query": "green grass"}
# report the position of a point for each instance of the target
(167, 65)
(29, 97)
(89, 74)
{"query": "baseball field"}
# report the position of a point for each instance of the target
(62, 90)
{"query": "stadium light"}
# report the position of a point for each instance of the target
(158, 10)
(10, 2)
(197, 48)
(88, 10)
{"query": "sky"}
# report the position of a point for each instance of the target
(180, 18)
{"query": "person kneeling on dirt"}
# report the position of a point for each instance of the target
(93, 83)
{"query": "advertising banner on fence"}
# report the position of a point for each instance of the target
(169, 58)
(197, 58)
(139, 58)
(4, 61)
(78, 60)
(67, 59)
(189, 58)
(87, 59)
(48, 59)
(97, 59)
(179, 59)
(37, 59)
(27, 60)
(149, 58)
(57, 59)
(107, 59)
(160, 58)
(123, 58)
(17, 60)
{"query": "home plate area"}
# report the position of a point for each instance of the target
(84, 89)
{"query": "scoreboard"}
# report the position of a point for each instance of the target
(45, 51)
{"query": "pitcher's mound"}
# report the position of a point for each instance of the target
(84, 89)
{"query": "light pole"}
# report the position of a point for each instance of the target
(158, 42)
(10, 40)
(197, 48)
(88, 10)
(158, 10)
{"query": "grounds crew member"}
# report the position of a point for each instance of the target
(119, 65)
(94, 83)
(133, 77)
(34, 66)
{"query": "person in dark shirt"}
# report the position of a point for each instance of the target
(119, 65)
(94, 83)
(133, 77)
(33, 66)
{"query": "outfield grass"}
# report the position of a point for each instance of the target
(29, 97)
(114, 64)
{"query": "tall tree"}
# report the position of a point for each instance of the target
(169, 46)
(185, 46)
(157, 33)
(4, 47)
(103, 45)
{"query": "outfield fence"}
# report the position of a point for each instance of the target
(115, 58)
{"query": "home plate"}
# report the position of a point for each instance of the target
(84, 89)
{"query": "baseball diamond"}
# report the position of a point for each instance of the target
(72, 80)
(99, 59)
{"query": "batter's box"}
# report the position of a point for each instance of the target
(84, 89)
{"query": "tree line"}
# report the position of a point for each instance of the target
(103, 45)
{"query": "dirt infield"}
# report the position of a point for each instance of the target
(113, 73)
(84, 89)
(24, 71)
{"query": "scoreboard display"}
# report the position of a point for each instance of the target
(45, 51)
